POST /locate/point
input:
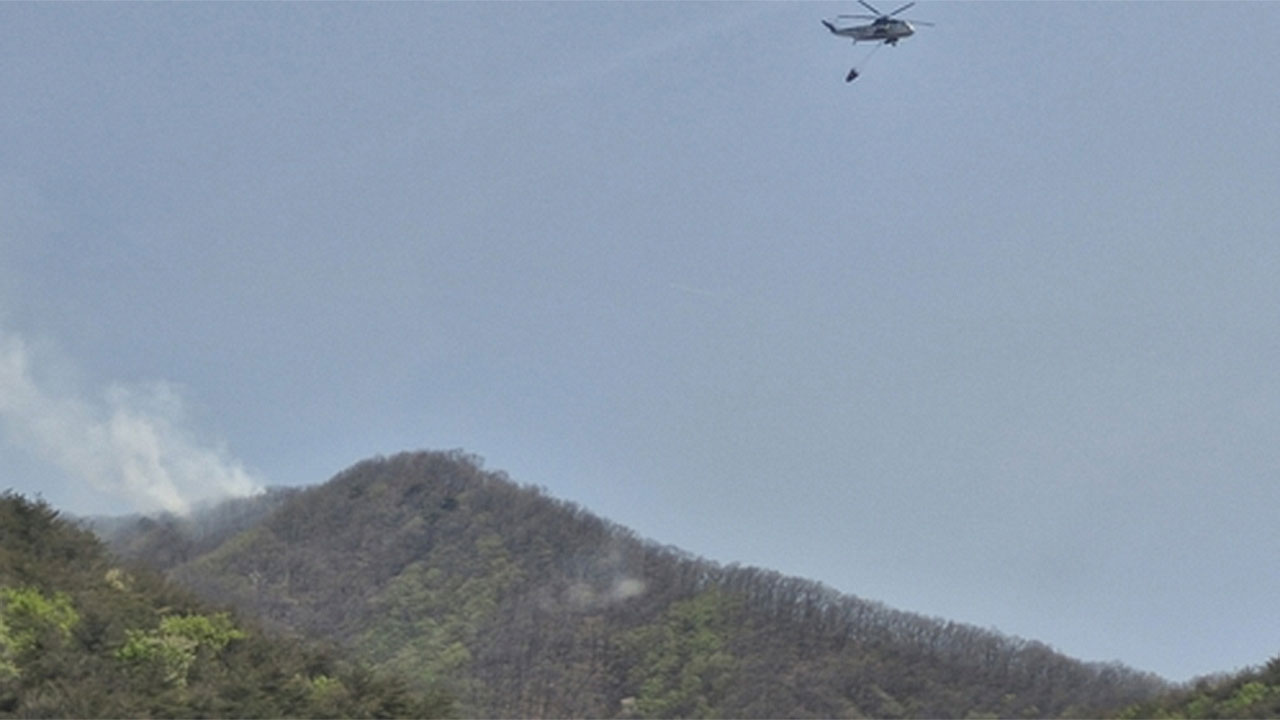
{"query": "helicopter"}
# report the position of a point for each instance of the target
(884, 27)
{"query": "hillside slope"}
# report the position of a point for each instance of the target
(1253, 693)
(523, 605)
(83, 636)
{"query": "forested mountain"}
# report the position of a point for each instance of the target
(522, 605)
(83, 636)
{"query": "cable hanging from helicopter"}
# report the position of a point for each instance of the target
(884, 29)
(854, 72)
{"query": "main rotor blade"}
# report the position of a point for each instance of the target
(858, 17)
(904, 7)
(870, 7)
(921, 22)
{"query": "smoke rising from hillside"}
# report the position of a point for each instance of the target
(131, 442)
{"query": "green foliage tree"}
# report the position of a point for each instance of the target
(684, 666)
(29, 621)
(172, 648)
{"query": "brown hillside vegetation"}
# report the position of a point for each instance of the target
(522, 605)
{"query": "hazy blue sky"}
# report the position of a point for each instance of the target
(991, 333)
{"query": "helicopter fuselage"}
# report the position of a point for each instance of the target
(888, 31)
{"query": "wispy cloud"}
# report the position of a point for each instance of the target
(132, 442)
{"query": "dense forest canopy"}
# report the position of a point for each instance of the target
(83, 635)
(460, 580)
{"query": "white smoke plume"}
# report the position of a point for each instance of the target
(131, 442)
